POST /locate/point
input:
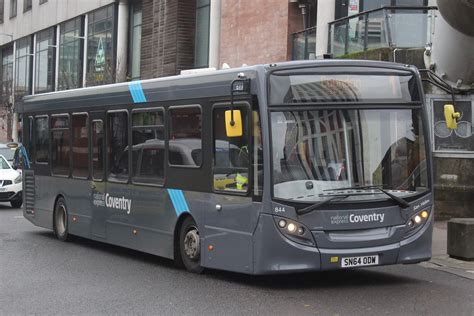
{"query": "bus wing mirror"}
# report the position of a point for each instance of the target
(233, 125)
(451, 116)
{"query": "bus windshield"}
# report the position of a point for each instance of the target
(316, 151)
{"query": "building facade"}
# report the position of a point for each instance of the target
(54, 45)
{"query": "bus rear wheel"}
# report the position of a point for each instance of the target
(60, 220)
(190, 246)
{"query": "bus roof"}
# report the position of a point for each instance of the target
(206, 84)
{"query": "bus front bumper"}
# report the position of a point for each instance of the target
(274, 253)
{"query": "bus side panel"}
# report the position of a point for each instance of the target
(77, 194)
(275, 253)
(44, 202)
(147, 225)
(228, 231)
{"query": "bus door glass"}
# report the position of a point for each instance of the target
(231, 154)
(98, 189)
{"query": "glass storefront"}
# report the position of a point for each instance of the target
(6, 82)
(71, 43)
(24, 59)
(135, 41)
(201, 50)
(45, 60)
(100, 47)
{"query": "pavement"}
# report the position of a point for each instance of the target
(441, 261)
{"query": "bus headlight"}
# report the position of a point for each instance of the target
(416, 221)
(294, 231)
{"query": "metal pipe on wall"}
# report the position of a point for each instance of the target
(453, 43)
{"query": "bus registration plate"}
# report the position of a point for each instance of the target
(359, 261)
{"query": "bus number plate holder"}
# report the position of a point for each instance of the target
(349, 262)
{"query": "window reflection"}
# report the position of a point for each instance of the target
(60, 149)
(80, 150)
(45, 60)
(185, 145)
(117, 146)
(97, 150)
(148, 147)
(70, 54)
(100, 56)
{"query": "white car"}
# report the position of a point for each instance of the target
(10, 184)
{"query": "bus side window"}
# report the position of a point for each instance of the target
(185, 140)
(231, 155)
(60, 149)
(148, 161)
(41, 139)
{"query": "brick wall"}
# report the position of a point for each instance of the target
(167, 37)
(254, 32)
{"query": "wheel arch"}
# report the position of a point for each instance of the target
(56, 199)
(177, 229)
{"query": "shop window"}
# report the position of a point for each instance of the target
(201, 50)
(100, 47)
(24, 61)
(71, 43)
(45, 60)
(135, 42)
(6, 80)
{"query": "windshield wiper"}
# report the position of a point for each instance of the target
(401, 202)
(315, 206)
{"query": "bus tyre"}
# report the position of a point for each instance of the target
(190, 246)
(16, 203)
(60, 220)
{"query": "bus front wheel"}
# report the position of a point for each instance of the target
(60, 220)
(190, 246)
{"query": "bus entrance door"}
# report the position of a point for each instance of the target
(98, 187)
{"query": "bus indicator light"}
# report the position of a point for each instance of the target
(300, 230)
(135, 232)
(210, 247)
(74, 219)
(282, 223)
(334, 259)
(424, 214)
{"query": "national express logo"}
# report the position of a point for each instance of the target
(107, 200)
(353, 218)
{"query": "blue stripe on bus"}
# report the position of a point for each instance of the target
(136, 91)
(178, 200)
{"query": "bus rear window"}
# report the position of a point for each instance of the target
(347, 86)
